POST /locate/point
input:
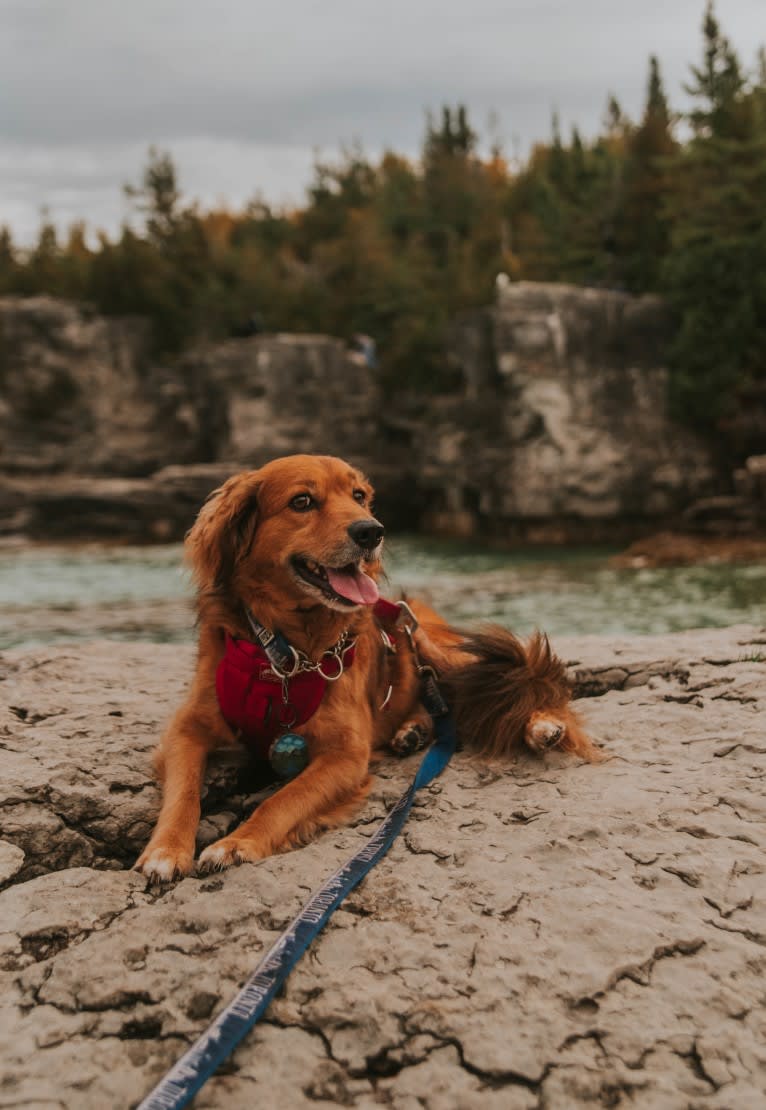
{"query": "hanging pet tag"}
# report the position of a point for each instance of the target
(288, 755)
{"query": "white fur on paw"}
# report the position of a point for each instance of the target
(216, 857)
(162, 866)
(225, 853)
(543, 733)
(410, 738)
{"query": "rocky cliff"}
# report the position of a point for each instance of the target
(555, 427)
(563, 430)
(80, 394)
(543, 935)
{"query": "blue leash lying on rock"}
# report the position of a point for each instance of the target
(179, 1086)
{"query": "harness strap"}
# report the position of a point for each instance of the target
(279, 653)
(219, 1040)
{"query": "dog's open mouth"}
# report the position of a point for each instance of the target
(348, 584)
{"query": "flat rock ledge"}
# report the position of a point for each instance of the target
(544, 934)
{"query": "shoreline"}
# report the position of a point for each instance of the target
(660, 549)
(685, 549)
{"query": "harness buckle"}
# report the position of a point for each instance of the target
(282, 672)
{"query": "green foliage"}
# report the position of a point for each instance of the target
(648, 182)
(715, 272)
(9, 264)
(718, 83)
(396, 248)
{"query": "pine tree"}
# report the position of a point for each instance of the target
(557, 158)
(645, 231)
(451, 200)
(43, 272)
(718, 84)
(714, 273)
(157, 197)
(9, 265)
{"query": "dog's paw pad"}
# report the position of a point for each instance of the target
(163, 866)
(543, 733)
(410, 738)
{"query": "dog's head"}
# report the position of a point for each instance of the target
(298, 533)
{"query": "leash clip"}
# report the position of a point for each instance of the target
(282, 672)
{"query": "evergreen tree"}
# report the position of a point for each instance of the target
(557, 158)
(42, 272)
(157, 197)
(615, 121)
(645, 228)
(718, 84)
(714, 273)
(8, 262)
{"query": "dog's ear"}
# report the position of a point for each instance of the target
(223, 532)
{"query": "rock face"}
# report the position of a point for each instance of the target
(543, 934)
(564, 424)
(555, 427)
(159, 508)
(97, 440)
(79, 393)
(739, 514)
(283, 394)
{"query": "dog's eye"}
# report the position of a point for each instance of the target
(360, 496)
(302, 503)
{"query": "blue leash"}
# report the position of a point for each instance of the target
(187, 1076)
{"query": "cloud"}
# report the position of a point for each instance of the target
(239, 90)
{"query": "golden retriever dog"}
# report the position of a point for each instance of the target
(290, 555)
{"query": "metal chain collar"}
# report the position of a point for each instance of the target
(285, 661)
(302, 663)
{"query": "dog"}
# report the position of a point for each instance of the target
(289, 556)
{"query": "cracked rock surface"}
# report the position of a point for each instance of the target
(544, 934)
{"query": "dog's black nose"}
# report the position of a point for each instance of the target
(367, 533)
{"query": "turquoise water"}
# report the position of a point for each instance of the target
(57, 594)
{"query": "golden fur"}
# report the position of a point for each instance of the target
(241, 548)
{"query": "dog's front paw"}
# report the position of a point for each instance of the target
(163, 864)
(544, 731)
(228, 851)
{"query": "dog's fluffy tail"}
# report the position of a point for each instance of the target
(504, 685)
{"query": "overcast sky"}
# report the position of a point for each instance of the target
(243, 92)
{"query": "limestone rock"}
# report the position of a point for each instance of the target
(552, 424)
(80, 393)
(157, 509)
(285, 394)
(564, 432)
(544, 933)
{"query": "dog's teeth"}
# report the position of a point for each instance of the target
(315, 568)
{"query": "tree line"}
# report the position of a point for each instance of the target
(671, 203)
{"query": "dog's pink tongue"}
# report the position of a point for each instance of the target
(354, 585)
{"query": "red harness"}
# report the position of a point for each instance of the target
(258, 705)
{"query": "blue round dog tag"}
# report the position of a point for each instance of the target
(288, 755)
